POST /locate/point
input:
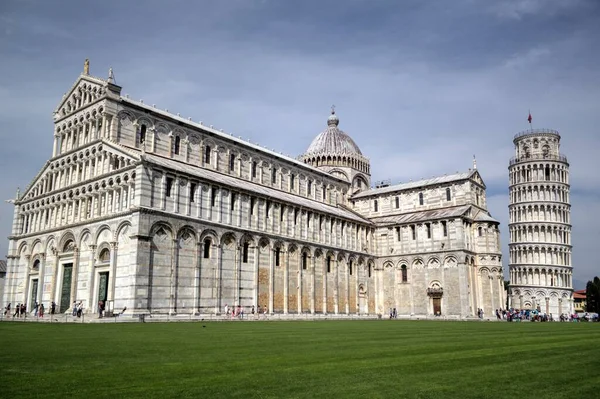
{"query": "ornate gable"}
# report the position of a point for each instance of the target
(45, 182)
(85, 90)
(476, 177)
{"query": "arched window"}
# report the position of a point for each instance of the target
(421, 199)
(231, 162)
(254, 166)
(177, 144)
(329, 264)
(304, 261)
(207, 154)
(370, 270)
(273, 175)
(206, 248)
(397, 202)
(375, 206)
(245, 252)
(448, 194)
(36, 265)
(350, 268)
(404, 271)
(104, 256)
(480, 231)
(142, 134)
(292, 181)
(309, 188)
(277, 256)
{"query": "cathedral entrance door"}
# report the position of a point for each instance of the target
(437, 306)
(102, 287)
(65, 290)
(34, 292)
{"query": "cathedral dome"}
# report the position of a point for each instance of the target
(333, 141)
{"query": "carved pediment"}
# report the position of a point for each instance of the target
(85, 90)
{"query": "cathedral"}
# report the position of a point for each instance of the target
(145, 210)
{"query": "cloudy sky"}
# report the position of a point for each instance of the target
(420, 85)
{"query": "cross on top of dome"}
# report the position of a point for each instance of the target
(333, 120)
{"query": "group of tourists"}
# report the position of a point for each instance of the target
(238, 311)
(21, 310)
(77, 309)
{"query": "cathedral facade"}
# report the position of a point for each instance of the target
(143, 209)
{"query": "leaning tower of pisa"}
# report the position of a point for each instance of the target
(540, 224)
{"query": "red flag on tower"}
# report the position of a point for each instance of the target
(529, 118)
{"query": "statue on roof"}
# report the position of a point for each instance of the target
(86, 67)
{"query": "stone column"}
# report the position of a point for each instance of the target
(286, 283)
(173, 277)
(113, 128)
(299, 288)
(238, 272)
(347, 274)
(41, 277)
(55, 147)
(271, 281)
(91, 305)
(324, 268)
(312, 284)
(197, 278)
(336, 286)
(218, 279)
(74, 276)
(256, 264)
(491, 277)
(112, 273)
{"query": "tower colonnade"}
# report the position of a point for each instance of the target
(540, 247)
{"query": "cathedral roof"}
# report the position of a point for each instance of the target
(333, 141)
(257, 189)
(416, 184)
(415, 217)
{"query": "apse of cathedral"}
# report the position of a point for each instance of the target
(144, 211)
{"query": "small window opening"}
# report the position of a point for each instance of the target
(169, 186)
(207, 154)
(192, 192)
(207, 248)
(177, 144)
(245, 252)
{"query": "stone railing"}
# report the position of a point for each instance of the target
(536, 131)
(539, 157)
(435, 292)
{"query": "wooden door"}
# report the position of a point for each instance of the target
(437, 306)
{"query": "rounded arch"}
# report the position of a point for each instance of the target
(450, 261)
(388, 264)
(433, 262)
(209, 233)
(341, 256)
(246, 238)
(65, 241)
(161, 225)
(36, 246)
(85, 239)
(306, 250)
(435, 284)
(228, 238)
(50, 244)
(101, 229)
(318, 253)
(264, 242)
(123, 225)
(417, 263)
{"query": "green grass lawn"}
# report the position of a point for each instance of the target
(332, 359)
